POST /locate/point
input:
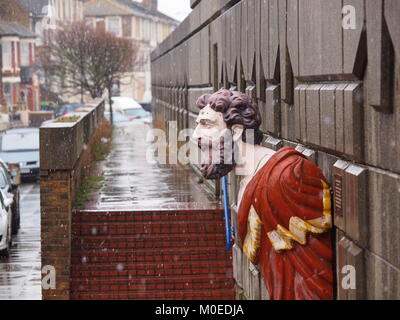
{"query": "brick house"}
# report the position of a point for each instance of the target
(19, 83)
(142, 23)
(44, 16)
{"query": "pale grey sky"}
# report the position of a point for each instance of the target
(177, 9)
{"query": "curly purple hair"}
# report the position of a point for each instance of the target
(237, 108)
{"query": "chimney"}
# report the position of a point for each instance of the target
(150, 4)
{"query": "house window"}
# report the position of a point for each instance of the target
(165, 31)
(113, 26)
(90, 22)
(6, 54)
(146, 30)
(134, 28)
(24, 54)
(139, 25)
(7, 92)
(159, 33)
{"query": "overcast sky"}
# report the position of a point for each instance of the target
(177, 9)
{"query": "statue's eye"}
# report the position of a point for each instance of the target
(207, 124)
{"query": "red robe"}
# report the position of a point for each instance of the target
(290, 185)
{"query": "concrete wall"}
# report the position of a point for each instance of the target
(331, 92)
(62, 146)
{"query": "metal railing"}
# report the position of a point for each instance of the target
(226, 213)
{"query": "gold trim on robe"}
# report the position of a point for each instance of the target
(252, 242)
(281, 238)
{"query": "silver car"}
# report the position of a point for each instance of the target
(22, 146)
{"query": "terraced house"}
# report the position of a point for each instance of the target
(43, 17)
(142, 23)
(18, 81)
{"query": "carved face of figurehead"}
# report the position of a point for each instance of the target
(222, 123)
(214, 139)
(210, 124)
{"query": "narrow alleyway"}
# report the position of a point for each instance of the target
(149, 232)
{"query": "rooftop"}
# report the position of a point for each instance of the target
(36, 7)
(15, 29)
(122, 7)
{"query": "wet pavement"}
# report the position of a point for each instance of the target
(132, 182)
(20, 276)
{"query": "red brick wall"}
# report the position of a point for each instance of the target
(56, 205)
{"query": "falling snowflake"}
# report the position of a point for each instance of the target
(120, 267)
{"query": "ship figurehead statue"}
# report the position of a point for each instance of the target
(284, 202)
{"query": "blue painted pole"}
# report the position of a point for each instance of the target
(226, 212)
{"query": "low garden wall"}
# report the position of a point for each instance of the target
(63, 155)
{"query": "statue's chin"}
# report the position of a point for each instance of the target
(215, 171)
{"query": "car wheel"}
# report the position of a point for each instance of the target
(15, 225)
(10, 238)
(6, 252)
(16, 220)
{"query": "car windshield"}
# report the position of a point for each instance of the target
(139, 113)
(20, 141)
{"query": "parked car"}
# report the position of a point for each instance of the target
(22, 146)
(121, 103)
(5, 225)
(118, 117)
(67, 108)
(146, 106)
(11, 190)
(136, 113)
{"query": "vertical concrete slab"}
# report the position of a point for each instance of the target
(332, 37)
(310, 37)
(339, 194)
(255, 289)
(272, 120)
(293, 34)
(356, 204)
(273, 45)
(328, 116)
(379, 58)
(353, 120)
(354, 46)
(339, 117)
(237, 265)
(313, 114)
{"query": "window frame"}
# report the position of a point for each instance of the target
(108, 19)
(7, 66)
(25, 56)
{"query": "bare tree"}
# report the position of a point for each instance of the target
(79, 59)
